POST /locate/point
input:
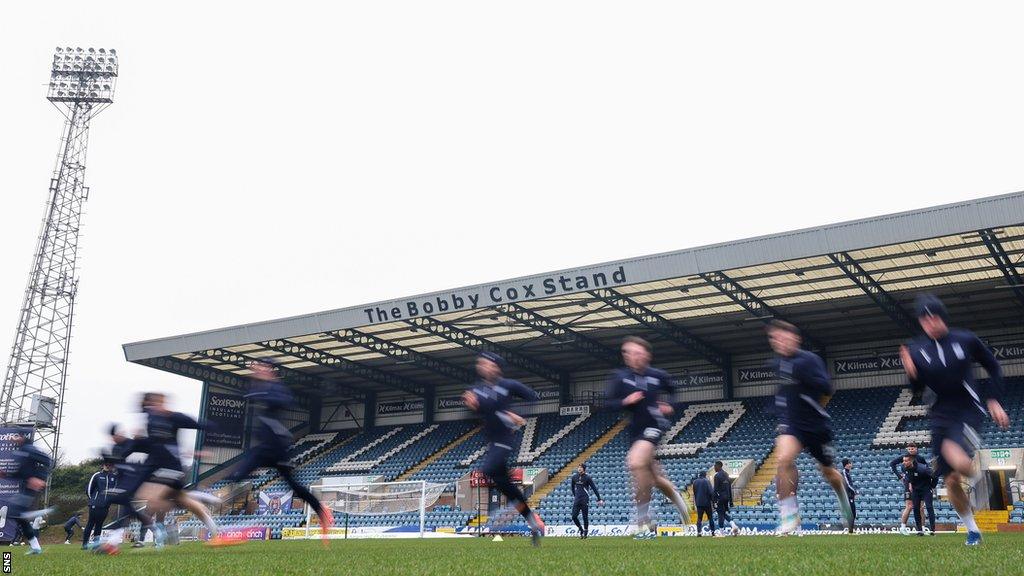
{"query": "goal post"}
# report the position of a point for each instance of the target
(359, 498)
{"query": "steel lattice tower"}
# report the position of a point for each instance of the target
(81, 85)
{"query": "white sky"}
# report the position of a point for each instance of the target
(272, 159)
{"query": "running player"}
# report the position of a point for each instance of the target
(32, 468)
(166, 482)
(491, 398)
(942, 359)
(274, 438)
(636, 389)
(803, 423)
(130, 478)
(580, 483)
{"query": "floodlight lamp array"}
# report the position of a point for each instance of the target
(83, 75)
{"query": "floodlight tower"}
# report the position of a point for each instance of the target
(81, 86)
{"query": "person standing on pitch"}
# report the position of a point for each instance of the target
(896, 465)
(273, 439)
(703, 499)
(942, 359)
(636, 389)
(723, 499)
(98, 491)
(803, 422)
(581, 481)
(919, 478)
(491, 398)
(31, 467)
(851, 492)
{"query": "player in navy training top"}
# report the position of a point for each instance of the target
(130, 478)
(274, 438)
(803, 422)
(942, 359)
(31, 467)
(919, 479)
(579, 485)
(491, 398)
(637, 389)
(895, 465)
(851, 492)
(165, 485)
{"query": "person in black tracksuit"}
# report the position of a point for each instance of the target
(491, 399)
(100, 488)
(896, 465)
(803, 422)
(580, 483)
(69, 526)
(851, 492)
(31, 468)
(723, 498)
(919, 477)
(703, 499)
(942, 360)
(637, 389)
(273, 438)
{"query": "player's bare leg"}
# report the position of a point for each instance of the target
(787, 480)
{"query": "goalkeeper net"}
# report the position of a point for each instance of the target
(381, 498)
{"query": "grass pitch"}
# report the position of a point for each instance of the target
(847, 555)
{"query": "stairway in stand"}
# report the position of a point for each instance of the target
(569, 468)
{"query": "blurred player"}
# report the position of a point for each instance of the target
(942, 359)
(636, 389)
(491, 398)
(803, 422)
(580, 483)
(31, 468)
(274, 438)
(165, 484)
(130, 478)
(896, 465)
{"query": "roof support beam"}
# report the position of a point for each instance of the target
(289, 375)
(357, 369)
(197, 371)
(751, 303)
(1003, 261)
(658, 323)
(469, 340)
(376, 344)
(560, 333)
(855, 272)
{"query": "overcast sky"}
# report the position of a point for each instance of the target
(271, 159)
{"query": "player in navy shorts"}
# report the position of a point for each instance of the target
(637, 389)
(942, 359)
(803, 423)
(491, 398)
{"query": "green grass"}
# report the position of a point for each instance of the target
(847, 555)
